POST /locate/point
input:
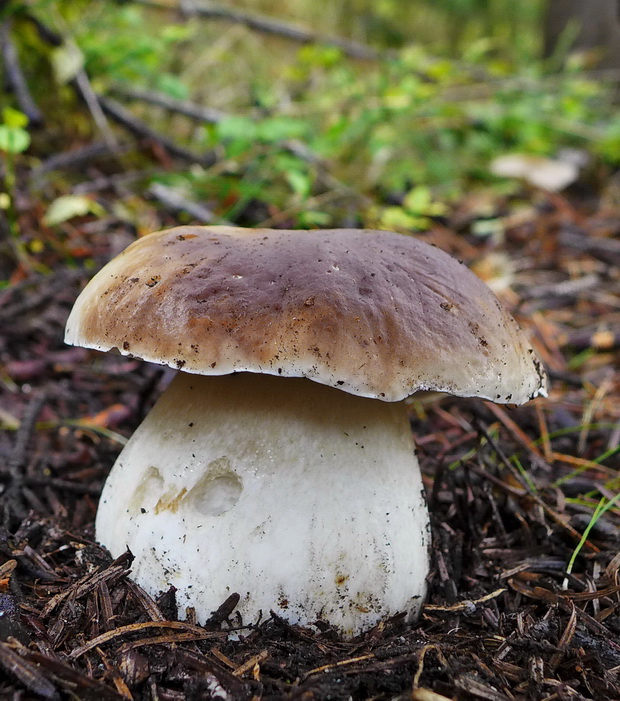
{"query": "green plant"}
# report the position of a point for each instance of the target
(14, 140)
(602, 507)
(417, 208)
(415, 127)
(313, 135)
(118, 46)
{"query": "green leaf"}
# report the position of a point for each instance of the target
(13, 139)
(280, 129)
(397, 218)
(317, 55)
(300, 182)
(312, 218)
(233, 128)
(173, 86)
(14, 118)
(418, 199)
(173, 33)
(69, 206)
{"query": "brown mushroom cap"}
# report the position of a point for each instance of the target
(373, 313)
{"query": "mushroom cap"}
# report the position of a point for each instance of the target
(373, 313)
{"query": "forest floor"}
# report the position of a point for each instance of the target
(515, 494)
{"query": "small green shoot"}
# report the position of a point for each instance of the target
(14, 138)
(602, 507)
(584, 468)
(581, 358)
(575, 429)
(493, 433)
(524, 474)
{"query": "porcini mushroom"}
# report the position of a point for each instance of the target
(290, 478)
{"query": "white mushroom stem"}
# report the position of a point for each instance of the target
(301, 498)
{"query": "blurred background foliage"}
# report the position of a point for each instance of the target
(291, 133)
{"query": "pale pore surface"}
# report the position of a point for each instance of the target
(301, 498)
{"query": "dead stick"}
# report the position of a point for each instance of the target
(546, 508)
(207, 115)
(82, 84)
(15, 77)
(13, 502)
(268, 25)
(137, 127)
(79, 156)
(22, 439)
(174, 201)
(188, 109)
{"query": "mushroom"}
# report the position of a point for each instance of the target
(280, 464)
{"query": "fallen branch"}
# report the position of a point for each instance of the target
(12, 503)
(605, 249)
(116, 182)
(292, 32)
(82, 84)
(15, 79)
(188, 109)
(173, 200)
(207, 115)
(140, 129)
(274, 27)
(79, 156)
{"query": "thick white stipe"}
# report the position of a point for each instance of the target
(301, 498)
